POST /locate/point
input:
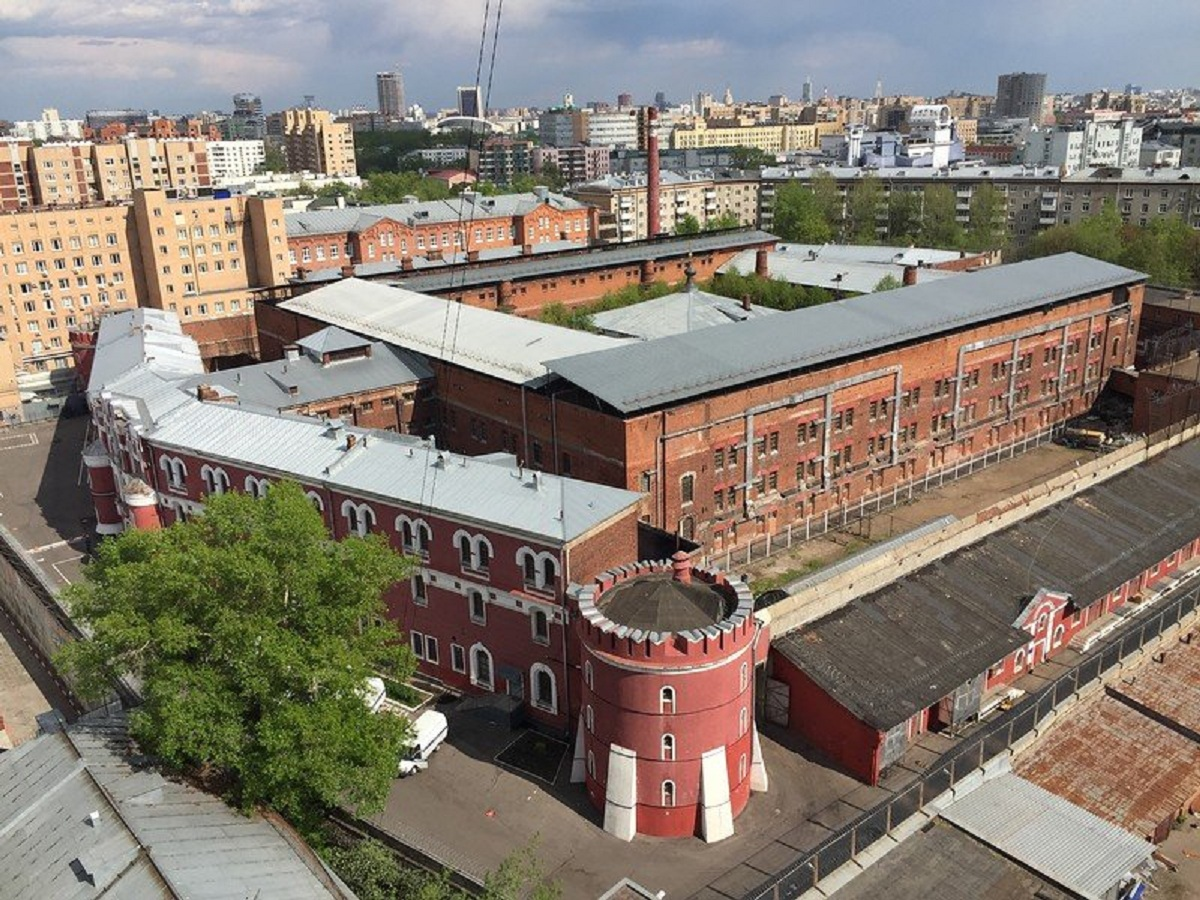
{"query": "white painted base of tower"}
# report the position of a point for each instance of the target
(716, 817)
(620, 795)
(758, 766)
(579, 760)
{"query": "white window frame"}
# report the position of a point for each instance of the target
(668, 748)
(535, 670)
(432, 651)
(490, 684)
(535, 612)
(667, 792)
(458, 658)
(481, 619)
(416, 642)
(667, 700)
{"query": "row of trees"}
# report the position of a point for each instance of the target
(1167, 249)
(689, 224)
(818, 213)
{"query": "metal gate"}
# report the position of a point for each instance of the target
(779, 695)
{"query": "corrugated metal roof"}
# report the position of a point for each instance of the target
(506, 347)
(452, 210)
(331, 340)
(649, 374)
(1054, 837)
(887, 654)
(132, 336)
(153, 838)
(685, 311)
(1116, 763)
(842, 267)
(394, 468)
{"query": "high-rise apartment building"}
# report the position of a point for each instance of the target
(390, 88)
(314, 142)
(247, 121)
(470, 101)
(1020, 95)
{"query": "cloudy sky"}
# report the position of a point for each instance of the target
(180, 55)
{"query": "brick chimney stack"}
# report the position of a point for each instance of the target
(653, 224)
(681, 567)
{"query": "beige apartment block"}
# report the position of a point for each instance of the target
(203, 259)
(314, 142)
(59, 269)
(61, 173)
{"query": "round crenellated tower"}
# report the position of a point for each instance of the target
(666, 743)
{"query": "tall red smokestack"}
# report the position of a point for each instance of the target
(653, 225)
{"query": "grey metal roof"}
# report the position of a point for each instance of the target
(814, 265)
(648, 374)
(132, 336)
(494, 343)
(899, 649)
(283, 384)
(1052, 836)
(153, 837)
(455, 209)
(941, 862)
(331, 340)
(425, 264)
(689, 310)
(394, 468)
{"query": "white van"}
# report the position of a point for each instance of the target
(429, 729)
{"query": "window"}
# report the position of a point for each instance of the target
(215, 480)
(668, 748)
(589, 718)
(257, 487)
(744, 677)
(360, 519)
(417, 640)
(666, 701)
(458, 658)
(743, 722)
(420, 591)
(591, 764)
(545, 695)
(589, 675)
(718, 460)
(478, 608)
(687, 488)
(742, 767)
(175, 471)
(316, 500)
(431, 650)
(541, 626)
(668, 793)
(481, 667)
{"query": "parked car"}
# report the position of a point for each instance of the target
(429, 729)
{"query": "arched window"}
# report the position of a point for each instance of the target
(666, 701)
(220, 480)
(208, 480)
(483, 553)
(317, 502)
(529, 568)
(549, 571)
(668, 748)
(464, 551)
(360, 518)
(424, 537)
(589, 677)
(742, 767)
(592, 764)
(744, 678)
(406, 533)
(545, 690)
(351, 513)
(541, 626)
(481, 667)
(668, 793)
(743, 722)
(589, 718)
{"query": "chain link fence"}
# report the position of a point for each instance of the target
(990, 740)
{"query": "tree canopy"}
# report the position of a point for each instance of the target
(687, 224)
(863, 203)
(251, 633)
(798, 215)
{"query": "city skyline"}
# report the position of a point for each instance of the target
(177, 56)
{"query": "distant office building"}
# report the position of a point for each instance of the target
(313, 142)
(390, 88)
(563, 127)
(624, 100)
(247, 121)
(96, 119)
(806, 91)
(1020, 95)
(1093, 143)
(230, 162)
(660, 100)
(470, 101)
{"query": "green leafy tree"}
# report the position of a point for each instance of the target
(798, 215)
(687, 224)
(830, 201)
(727, 219)
(249, 631)
(904, 216)
(863, 203)
(273, 161)
(888, 282)
(335, 189)
(552, 177)
(986, 229)
(774, 293)
(393, 187)
(750, 158)
(940, 227)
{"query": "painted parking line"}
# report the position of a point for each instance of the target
(63, 562)
(17, 441)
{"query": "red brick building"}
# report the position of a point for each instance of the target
(930, 651)
(470, 223)
(666, 744)
(741, 430)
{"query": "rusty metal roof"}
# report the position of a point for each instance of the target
(1168, 690)
(1115, 762)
